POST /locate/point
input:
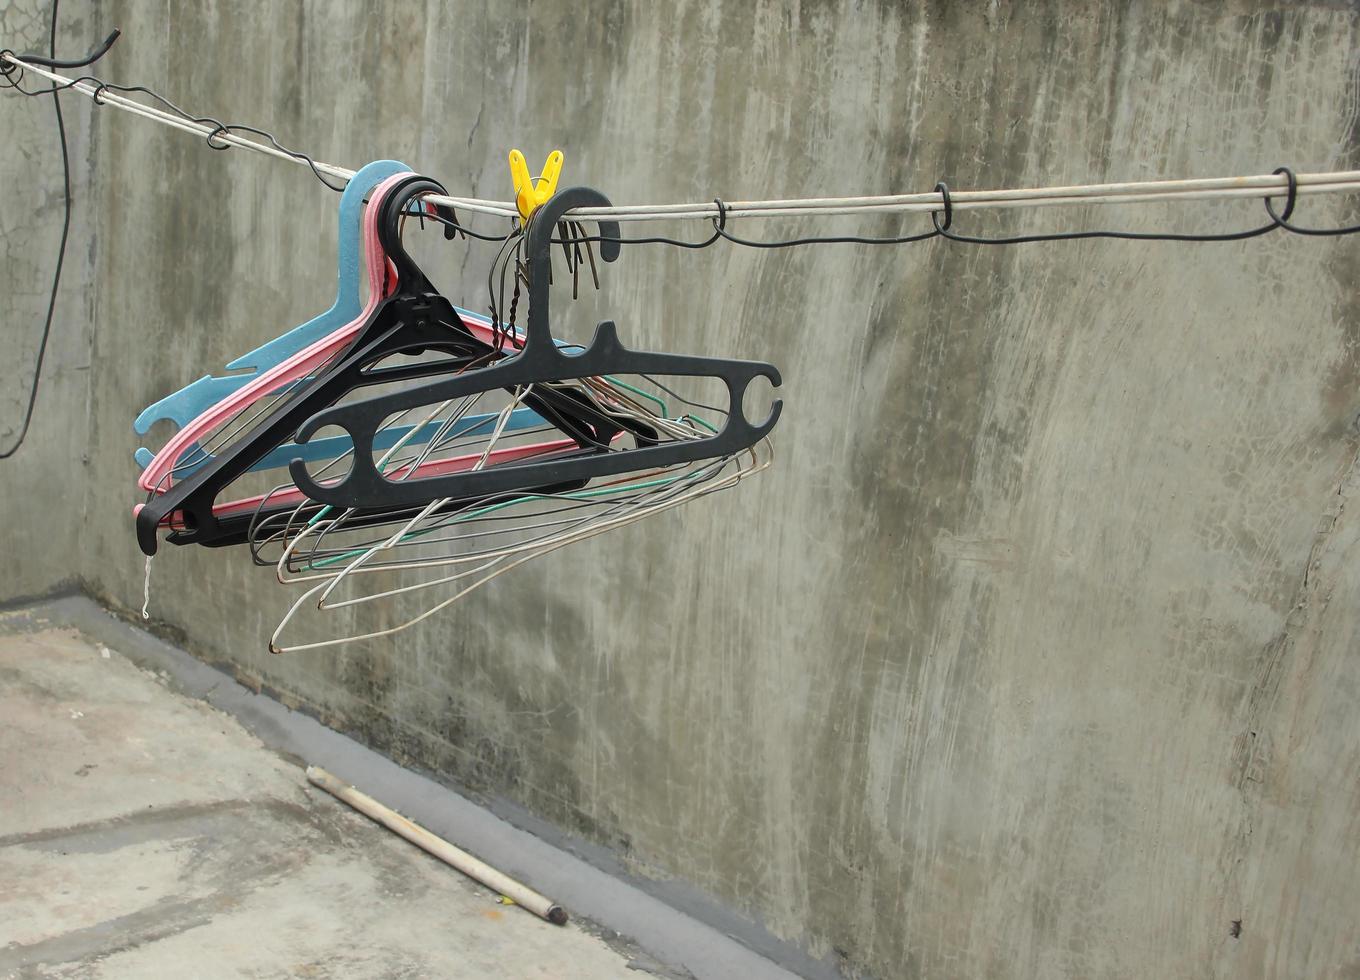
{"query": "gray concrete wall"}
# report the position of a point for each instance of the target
(1033, 655)
(44, 488)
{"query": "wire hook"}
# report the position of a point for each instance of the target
(221, 128)
(1291, 198)
(943, 190)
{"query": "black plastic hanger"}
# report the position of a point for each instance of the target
(539, 361)
(414, 319)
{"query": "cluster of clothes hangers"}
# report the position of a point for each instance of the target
(455, 446)
(464, 446)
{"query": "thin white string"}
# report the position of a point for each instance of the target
(1126, 192)
(146, 590)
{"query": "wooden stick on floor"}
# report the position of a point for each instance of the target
(481, 871)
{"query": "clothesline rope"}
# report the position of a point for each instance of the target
(1126, 192)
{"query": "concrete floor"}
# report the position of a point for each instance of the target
(146, 834)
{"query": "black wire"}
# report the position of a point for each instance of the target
(942, 222)
(469, 232)
(13, 79)
(583, 239)
(720, 229)
(1283, 219)
(95, 54)
(719, 232)
(12, 76)
(61, 258)
(829, 240)
(942, 229)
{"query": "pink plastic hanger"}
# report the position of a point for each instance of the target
(439, 467)
(156, 477)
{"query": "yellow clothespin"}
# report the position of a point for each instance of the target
(530, 194)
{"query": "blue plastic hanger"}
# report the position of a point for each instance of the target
(192, 400)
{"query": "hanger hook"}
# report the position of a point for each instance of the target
(1291, 198)
(547, 215)
(538, 247)
(390, 234)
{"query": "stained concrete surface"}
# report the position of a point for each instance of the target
(1032, 656)
(145, 834)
